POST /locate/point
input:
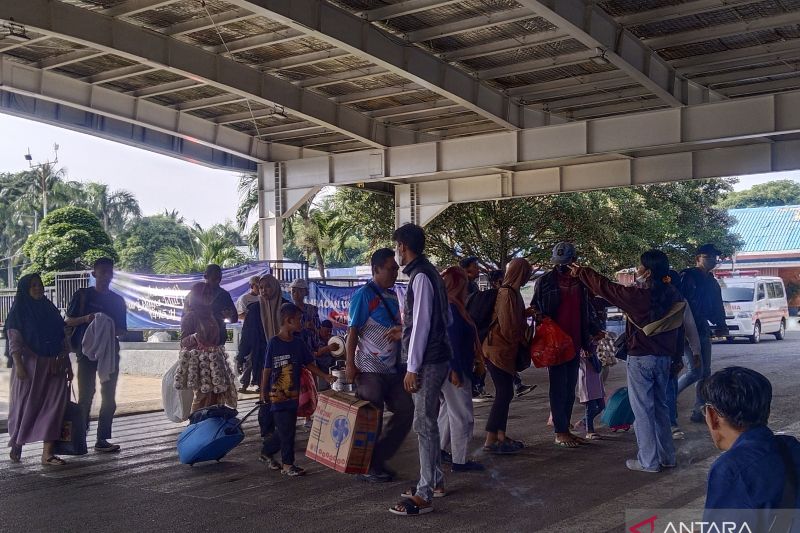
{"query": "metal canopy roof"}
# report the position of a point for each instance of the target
(300, 77)
(768, 229)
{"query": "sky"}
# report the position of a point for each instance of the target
(198, 193)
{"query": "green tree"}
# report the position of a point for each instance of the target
(206, 247)
(772, 193)
(610, 227)
(114, 208)
(319, 232)
(138, 244)
(69, 238)
(369, 214)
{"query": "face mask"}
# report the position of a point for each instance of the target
(641, 279)
(708, 263)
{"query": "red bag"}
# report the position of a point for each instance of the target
(308, 394)
(550, 345)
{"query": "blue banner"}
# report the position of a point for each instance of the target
(156, 302)
(334, 302)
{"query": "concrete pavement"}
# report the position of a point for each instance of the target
(543, 489)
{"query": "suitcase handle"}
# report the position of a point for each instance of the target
(250, 412)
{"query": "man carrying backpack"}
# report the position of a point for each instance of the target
(704, 295)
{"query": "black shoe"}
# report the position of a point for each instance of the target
(469, 466)
(447, 457)
(376, 477)
(105, 447)
(523, 389)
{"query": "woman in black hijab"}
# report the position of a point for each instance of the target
(41, 369)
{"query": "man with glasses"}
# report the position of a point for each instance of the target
(704, 295)
(759, 470)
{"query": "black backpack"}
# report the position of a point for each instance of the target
(480, 306)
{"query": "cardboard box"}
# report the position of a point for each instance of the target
(344, 432)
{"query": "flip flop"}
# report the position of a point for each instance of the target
(593, 436)
(54, 461)
(570, 444)
(410, 507)
(437, 493)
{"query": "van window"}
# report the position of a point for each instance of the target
(761, 292)
(771, 290)
(778, 286)
(737, 294)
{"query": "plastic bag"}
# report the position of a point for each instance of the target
(177, 403)
(551, 346)
(308, 394)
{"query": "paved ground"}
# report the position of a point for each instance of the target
(543, 489)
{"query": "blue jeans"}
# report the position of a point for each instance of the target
(696, 374)
(672, 400)
(430, 379)
(648, 376)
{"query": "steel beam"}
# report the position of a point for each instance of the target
(617, 109)
(589, 24)
(76, 94)
(347, 31)
(523, 42)
(75, 56)
(721, 31)
(299, 133)
(762, 87)
(401, 9)
(742, 57)
(282, 128)
(20, 42)
(339, 77)
(244, 116)
(120, 73)
(471, 24)
(166, 88)
(577, 85)
(211, 101)
(204, 23)
(781, 69)
(686, 9)
(374, 94)
(599, 97)
(660, 132)
(303, 59)
(537, 65)
(257, 41)
(413, 109)
(156, 51)
(132, 7)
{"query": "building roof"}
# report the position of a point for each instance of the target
(768, 229)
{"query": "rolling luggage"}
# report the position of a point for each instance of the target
(618, 413)
(210, 439)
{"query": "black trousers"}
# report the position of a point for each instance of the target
(386, 390)
(282, 438)
(503, 394)
(563, 379)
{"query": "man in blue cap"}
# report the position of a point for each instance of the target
(568, 303)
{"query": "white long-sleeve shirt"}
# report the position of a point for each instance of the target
(421, 321)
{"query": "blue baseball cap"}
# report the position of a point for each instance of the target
(564, 253)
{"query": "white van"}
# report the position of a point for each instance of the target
(755, 305)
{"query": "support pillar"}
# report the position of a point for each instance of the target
(419, 203)
(270, 223)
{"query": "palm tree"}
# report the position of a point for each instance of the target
(248, 199)
(114, 208)
(318, 231)
(207, 247)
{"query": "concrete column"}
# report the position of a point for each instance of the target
(270, 223)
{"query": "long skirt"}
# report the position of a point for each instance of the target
(37, 403)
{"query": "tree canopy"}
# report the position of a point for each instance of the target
(610, 228)
(69, 238)
(138, 244)
(205, 247)
(773, 193)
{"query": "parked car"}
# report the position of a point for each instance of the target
(755, 305)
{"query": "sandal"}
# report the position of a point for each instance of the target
(412, 492)
(593, 436)
(571, 444)
(271, 463)
(54, 461)
(293, 471)
(412, 507)
(501, 448)
(517, 444)
(15, 454)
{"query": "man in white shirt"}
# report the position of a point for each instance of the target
(248, 298)
(425, 342)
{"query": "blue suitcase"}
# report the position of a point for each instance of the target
(210, 439)
(618, 412)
